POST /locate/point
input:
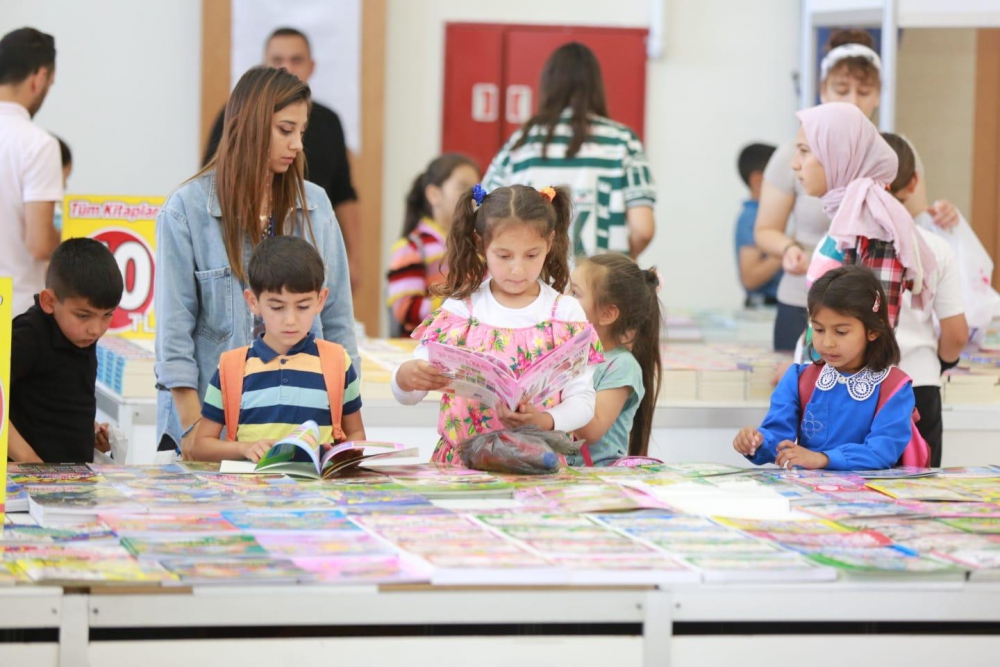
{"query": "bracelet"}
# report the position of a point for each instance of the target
(190, 428)
(792, 244)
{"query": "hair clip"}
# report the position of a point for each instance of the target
(549, 193)
(479, 194)
(878, 303)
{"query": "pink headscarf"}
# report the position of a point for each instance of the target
(859, 164)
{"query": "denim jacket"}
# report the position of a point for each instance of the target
(200, 309)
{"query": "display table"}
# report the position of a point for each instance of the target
(678, 626)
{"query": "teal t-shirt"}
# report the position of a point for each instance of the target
(619, 369)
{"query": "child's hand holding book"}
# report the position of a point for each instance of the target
(252, 451)
(419, 375)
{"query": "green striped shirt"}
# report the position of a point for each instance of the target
(608, 175)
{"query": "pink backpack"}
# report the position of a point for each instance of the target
(917, 452)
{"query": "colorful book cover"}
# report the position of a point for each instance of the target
(484, 378)
(284, 502)
(861, 539)
(125, 525)
(209, 546)
(51, 535)
(902, 472)
(389, 569)
(981, 525)
(847, 512)
(344, 543)
(258, 521)
(31, 474)
(11, 574)
(946, 542)
(922, 489)
(773, 567)
(885, 561)
(238, 571)
(106, 571)
(800, 527)
(16, 498)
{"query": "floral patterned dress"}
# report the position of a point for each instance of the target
(459, 418)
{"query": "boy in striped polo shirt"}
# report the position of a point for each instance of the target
(283, 380)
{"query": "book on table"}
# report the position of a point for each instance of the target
(302, 455)
(488, 380)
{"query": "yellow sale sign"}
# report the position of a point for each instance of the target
(6, 295)
(127, 226)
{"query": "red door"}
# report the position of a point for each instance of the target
(492, 73)
(473, 74)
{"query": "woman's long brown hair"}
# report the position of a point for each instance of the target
(240, 163)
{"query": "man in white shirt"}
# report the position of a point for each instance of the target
(30, 167)
(923, 352)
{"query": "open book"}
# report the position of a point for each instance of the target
(301, 455)
(488, 380)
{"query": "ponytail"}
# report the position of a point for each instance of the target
(617, 280)
(646, 350)
(556, 269)
(417, 206)
(463, 256)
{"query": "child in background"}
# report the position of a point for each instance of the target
(760, 273)
(53, 352)
(287, 376)
(842, 159)
(620, 301)
(520, 236)
(416, 263)
(924, 353)
(845, 424)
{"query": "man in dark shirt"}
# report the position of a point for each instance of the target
(324, 145)
(54, 357)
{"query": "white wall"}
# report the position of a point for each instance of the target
(127, 91)
(935, 102)
(724, 80)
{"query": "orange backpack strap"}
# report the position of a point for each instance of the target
(231, 367)
(332, 361)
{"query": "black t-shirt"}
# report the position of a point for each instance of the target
(325, 149)
(52, 401)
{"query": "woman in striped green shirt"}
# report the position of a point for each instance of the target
(571, 141)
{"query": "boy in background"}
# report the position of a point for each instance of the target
(287, 376)
(759, 272)
(54, 357)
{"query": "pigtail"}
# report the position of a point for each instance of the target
(646, 350)
(466, 266)
(416, 205)
(556, 269)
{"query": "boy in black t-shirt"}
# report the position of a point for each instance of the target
(54, 357)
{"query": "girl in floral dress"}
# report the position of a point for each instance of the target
(519, 238)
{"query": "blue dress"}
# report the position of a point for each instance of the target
(840, 420)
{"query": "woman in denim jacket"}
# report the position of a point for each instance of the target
(253, 188)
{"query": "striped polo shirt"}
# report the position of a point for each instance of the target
(280, 392)
(415, 266)
(609, 175)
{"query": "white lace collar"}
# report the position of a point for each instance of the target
(860, 386)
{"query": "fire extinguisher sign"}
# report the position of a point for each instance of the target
(127, 226)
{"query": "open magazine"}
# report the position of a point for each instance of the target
(301, 455)
(488, 380)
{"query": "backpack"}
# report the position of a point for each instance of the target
(233, 363)
(917, 452)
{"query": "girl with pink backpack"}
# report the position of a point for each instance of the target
(852, 410)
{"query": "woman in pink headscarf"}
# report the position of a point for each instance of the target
(842, 159)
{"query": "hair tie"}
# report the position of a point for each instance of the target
(654, 276)
(479, 194)
(878, 303)
(549, 193)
